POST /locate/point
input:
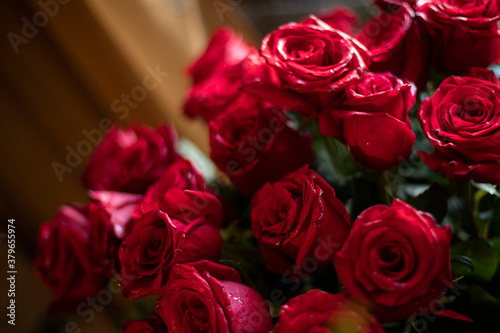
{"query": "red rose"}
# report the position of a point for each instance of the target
(321, 312)
(75, 254)
(462, 122)
(303, 66)
(208, 297)
(396, 43)
(253, 146)
(185, 229)
(215, 97)
(341, 18)
(298, 219)
(180, 174)
(396, 258)
(463, 34)
(225, 50)
(120, 207)
(262, 81)
(373, 121)
(216, 76)
(153, 324)
(129, 160)
(313, 57)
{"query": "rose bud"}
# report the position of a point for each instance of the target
(153, 324)
(462, 34)
(319, 311)
(208, 297)
(372, 120)
(298, 219)
(397, 259)
(253, 146)
(75, 256)
(462, 122)
(216, 76)
(396, 44)
(129, 160)
(185, 229)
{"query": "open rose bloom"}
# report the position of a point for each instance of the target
(357, 165)
(207, 297)
(396, 258)
(462, 121)
(298, 217)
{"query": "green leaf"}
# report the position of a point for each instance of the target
(190, 151)
(496, 244)
(324, 164)
(332, 154)
(491, 189)
(461, 265)
(480, 297)
(481, 219)
(495, 224)
(486, 209)
(495, 68)
(483, 255)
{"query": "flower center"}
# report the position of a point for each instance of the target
(392, 260)
(196, 315)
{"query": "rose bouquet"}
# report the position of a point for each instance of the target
(357, 190)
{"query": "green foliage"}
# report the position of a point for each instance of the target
(483, 255)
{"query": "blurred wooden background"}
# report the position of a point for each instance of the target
(63, 63)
